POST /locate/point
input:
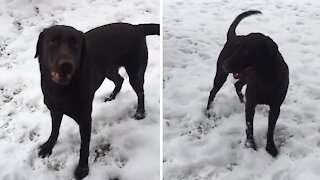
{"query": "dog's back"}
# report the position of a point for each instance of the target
(116, 37)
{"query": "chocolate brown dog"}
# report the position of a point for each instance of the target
(254, 59)
(73, 65)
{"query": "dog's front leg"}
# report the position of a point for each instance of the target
(46, 148)
(219, 79)
(273, 117)
(238, 85)
(250, 110)
(85, 133)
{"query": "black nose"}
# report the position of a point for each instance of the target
(65, 67)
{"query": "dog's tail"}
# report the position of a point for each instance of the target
(232, 29)
(150, 29)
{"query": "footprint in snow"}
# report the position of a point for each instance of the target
(203, 11)
(18, 25)
(121, 159)
(297, 154)
(179, 3)
(55, 164)
(52, 163)
(293, 40)
(34, 135)
(185, 51)
(299, 22)
(202, 24)
(204, 56)
(101, 150)
(6, 98)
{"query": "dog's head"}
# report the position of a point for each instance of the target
(250, 53)
(60, 49)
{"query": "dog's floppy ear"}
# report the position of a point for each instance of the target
(39, 45)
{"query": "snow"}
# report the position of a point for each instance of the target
(121, 147)
(196, 147)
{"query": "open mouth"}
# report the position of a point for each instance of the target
(242, 74)
(59, 78)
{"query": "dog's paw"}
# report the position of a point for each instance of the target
(81, 172)
(207, 113)
(211, 115)
(251, 144)
(45, 150)
(139, 115)
(272, 150)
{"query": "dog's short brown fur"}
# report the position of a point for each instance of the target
(254, 59)
(73, 65)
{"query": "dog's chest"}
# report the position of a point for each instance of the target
(64, 101)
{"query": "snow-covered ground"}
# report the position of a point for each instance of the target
(196, 147)
(121, 147)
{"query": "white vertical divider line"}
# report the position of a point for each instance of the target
(161, 90)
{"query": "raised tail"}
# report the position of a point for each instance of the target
(232, 29)
(150, 29)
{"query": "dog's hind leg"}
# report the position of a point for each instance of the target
(136, 70)
(220, 78)
(273, 117)
(115, 77)
(137, 80)
(250, 110)
(238, 85)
